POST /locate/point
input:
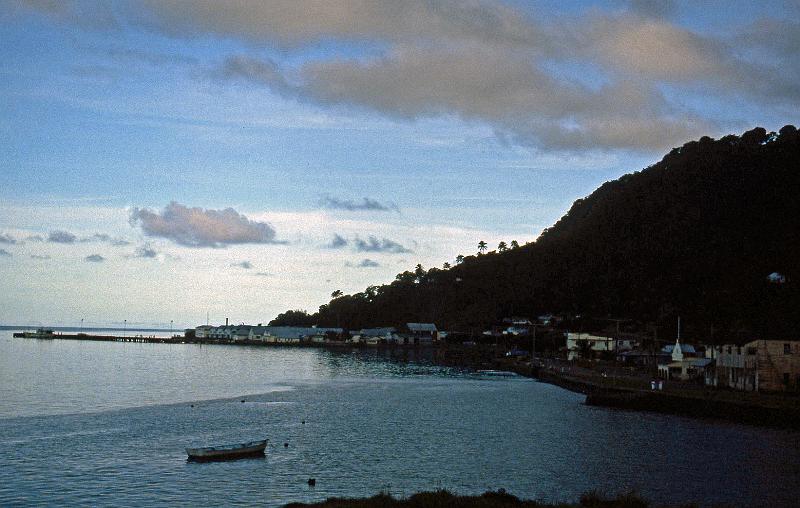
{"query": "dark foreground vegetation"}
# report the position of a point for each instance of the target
(695, 235)
(500, 499)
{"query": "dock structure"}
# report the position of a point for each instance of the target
(180, 339)
(102, 338)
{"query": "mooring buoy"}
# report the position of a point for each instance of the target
(312, 481)
(286, 445)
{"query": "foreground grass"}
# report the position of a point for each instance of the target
(499, 499)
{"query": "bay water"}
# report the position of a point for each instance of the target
(106, 424)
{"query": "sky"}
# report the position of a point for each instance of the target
(168, 160)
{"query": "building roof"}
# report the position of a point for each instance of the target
(296, 332)
(371, 332)
(421, 327)
(686, 348)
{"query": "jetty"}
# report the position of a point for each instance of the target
(105, 338)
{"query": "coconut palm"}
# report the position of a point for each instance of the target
(514, 244)
(459, 259)
(481, 247)
(502, 247)
(446, 265)
(337, 293)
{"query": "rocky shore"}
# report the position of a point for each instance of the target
(499, 499)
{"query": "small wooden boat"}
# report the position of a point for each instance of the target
(227, 452)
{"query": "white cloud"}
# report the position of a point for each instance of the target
(198, 227)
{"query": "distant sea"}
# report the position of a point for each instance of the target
(106, 424)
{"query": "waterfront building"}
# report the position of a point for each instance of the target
(685, 364)
(760, 365)
(421, 333)
(240, 333)
(257, 332)
(577, 341)
(203, 331)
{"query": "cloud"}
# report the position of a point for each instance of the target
(66, 237)
(84, 14)
(366, 204)
(35, 238)
(102, 237)
(94, 258)
(364, 263)
(598, 79)
(372, 244)
(39, 256)
(198, 227)
(61, 237)
(243, 264)
(8, 239)
(4, 253)
(264, 274)
(338, 242)
(145, 251)
(290, 23)
(527, 78)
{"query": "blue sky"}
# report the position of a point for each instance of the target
(412, 130)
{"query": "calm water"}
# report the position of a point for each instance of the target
(85, 423)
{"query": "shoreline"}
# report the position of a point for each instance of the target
(763, 410)
(782, 412)
(489, 499)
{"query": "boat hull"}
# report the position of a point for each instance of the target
(227, 452)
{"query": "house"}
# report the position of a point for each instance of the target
(422, 333)
(222, 332)
(240, 333)
(577, 341)
(257, 332)
(759, 365)
(282, 334)
(203, 331)
(383, 333)
(685, 365)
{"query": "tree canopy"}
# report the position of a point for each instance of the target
(697, 234)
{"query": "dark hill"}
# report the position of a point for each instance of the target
(695, 235)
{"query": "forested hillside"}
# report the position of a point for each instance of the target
(697, 235)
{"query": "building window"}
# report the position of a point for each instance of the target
(787, 349)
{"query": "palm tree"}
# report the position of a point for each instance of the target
(337, 293)
(419, 273)
(459, 259)
(446, 265)
(481, 247)
(514, 244)
(501, 247)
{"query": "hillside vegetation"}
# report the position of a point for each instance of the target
(695, 235)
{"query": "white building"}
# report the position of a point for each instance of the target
(577, 341)
(203, 331)
(684, 367)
